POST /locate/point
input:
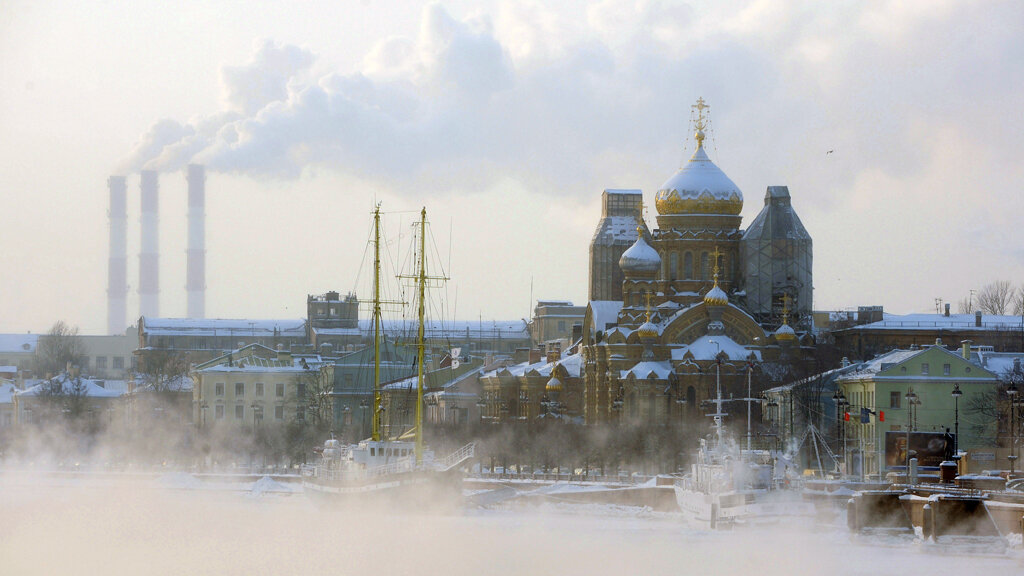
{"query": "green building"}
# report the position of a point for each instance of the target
(906, 398)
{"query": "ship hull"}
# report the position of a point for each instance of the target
(414, 490)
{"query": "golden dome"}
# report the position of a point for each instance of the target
(554, 385)
(699, 187)
(647, 331)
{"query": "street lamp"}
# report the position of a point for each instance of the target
(956, 393)
(718, 389)
(1012, 393)
(841, 403)
(363, 405)
(202, 408)
(911, 400)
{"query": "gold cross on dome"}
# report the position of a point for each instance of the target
(700, 107)
(716, 254)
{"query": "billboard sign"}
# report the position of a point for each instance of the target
(930, 448)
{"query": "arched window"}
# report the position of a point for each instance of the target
(721, 267)
(691, 398)
(688, 266)
(632, 405)
(704, 272)
(673, 266)
(652, 408)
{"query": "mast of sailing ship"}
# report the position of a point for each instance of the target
(376, 325)
(422, 282)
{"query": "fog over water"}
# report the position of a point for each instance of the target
(153, 526)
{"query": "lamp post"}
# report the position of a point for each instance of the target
(750, 373)
(841, 403)
(363, 405)
(956, 393)
(1012, 393)
(911, 401)
(718, 391)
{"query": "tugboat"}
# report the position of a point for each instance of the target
(382, 470)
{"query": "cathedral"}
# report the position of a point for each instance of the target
(696, 304)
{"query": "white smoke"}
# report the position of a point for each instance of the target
(581, 101)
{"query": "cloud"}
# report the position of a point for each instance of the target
(571, 102)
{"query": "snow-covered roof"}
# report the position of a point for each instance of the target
(605, 312)
(180, 383)
(708, 347)
(572, 363)
(643, 370)
(884, 361)
(20, 343)
(8, 369)
(953, 321)
(616, 230)
(338, 331)
(90, 387)
(224, 327)
(457, 329)
(999, 363)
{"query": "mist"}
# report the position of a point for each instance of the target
(74, 525)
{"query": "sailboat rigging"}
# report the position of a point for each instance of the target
(381, 464)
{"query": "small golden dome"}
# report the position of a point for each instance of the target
(554, 385)
(647, 331)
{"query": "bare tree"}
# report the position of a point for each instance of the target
(163, 370)
(996, 297)
(1018, 301)
(965, 306)
(58, 348)
(313, 393)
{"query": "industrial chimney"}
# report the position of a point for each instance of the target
(149, 251)
(117, 265)
(195, 283)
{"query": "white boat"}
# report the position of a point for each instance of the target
(382, 470)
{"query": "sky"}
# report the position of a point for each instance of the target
(897, 127)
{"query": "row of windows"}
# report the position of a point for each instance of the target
(279, 389)
(925, 369)
(671, 267)
(219, 410)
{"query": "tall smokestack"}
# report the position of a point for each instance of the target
(195, 284)
(149, 251)
(117, 265)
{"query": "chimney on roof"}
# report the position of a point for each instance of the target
(535, 355)
(845, 362)
(965, 349)
(977, 319)
(947, 310)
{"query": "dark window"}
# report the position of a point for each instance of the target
(894, 399)
(239, 389)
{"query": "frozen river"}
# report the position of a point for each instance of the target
(168, 526)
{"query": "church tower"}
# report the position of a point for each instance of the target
(777, 255)
(621, 213)
(698, 213)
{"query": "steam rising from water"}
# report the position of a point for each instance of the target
(140, 526)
